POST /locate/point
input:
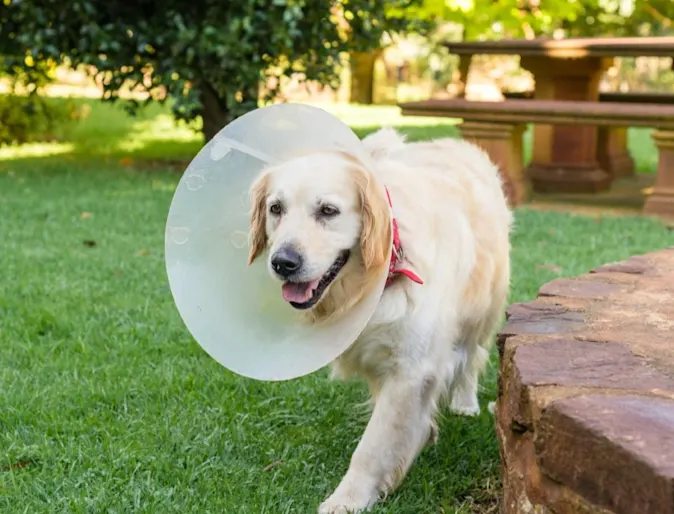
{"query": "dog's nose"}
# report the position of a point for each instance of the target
(286, 261)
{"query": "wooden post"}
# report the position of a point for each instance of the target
(661, 202)
(503, 143)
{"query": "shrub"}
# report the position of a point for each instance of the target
(32, 118)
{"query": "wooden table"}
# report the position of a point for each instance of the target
(571, 158)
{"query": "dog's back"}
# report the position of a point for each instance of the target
(454, 224)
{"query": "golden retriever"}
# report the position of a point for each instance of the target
(325, 220)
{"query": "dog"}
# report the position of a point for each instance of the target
(325, 219)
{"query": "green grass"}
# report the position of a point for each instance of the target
(108, 406)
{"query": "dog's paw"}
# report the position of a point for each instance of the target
(466, 410)
(465, 406)
(349, 499)
(346, 506)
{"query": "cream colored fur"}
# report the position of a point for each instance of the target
(425, 342)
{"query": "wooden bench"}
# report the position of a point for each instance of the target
(609, 96)
(612, 152)
(498, 127)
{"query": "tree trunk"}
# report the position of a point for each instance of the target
(214, 114)
(362, 77)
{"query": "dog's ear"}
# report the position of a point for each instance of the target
(258, 217)
(376, 234)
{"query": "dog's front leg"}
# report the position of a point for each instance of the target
(397, 431)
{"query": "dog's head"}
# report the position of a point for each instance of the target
(327, 226)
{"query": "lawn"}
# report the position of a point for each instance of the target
(107, 404)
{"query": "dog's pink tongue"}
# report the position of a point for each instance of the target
(298, 292)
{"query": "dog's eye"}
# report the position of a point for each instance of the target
(275, 209)
(329, 211)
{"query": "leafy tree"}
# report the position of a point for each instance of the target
(536, 18)
(513, 18)
(210, 57)
(651, 18)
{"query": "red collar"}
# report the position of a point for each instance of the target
(397, 255)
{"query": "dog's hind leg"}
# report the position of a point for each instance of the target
(463, 391)
(475, 341)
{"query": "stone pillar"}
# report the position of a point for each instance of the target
(612, 152)
(503, 144)
(565, 156)
(661, 202)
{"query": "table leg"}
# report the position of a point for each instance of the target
(612, 152)
(661, 202)
(565, 157)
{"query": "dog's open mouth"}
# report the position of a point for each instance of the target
(304, 295)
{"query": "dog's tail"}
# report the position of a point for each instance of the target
(384, 142)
